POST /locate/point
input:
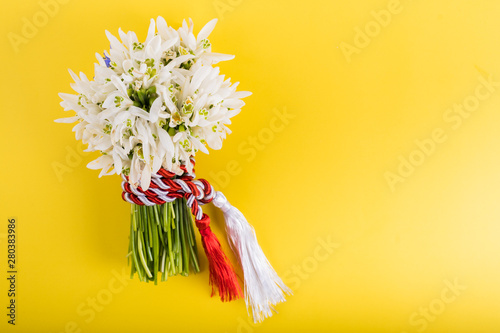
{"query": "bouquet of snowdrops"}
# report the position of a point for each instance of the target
(149, 109)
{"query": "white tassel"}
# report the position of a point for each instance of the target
(263, 287)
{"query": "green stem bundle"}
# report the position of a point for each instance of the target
(162, 239)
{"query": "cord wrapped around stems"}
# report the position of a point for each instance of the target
(166, 187)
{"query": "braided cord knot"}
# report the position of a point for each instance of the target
(166, 186)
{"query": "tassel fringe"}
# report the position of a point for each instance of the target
(263, 287)
(222, 274)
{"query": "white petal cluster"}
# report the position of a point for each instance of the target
(153, 104)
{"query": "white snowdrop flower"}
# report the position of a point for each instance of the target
(153, 104)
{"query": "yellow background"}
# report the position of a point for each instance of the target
(319, 178)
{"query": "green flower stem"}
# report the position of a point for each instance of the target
(184, 250)
(140, 243)
(162, 240)
(177, 239)
(169, 239)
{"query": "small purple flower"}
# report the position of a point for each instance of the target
(107, 61)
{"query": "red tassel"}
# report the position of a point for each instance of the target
(222, 274)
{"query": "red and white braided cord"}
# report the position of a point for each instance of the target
(166, 187)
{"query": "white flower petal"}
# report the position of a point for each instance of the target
(216, 57)
(138, 112)
(119, 85)
(67, 120)
(145, 178)
(206, 30)
(153, 48)
(100, 162)
(241, 94)
(155, 110)
(197, 144)
(165, 139)
(115, 43)
(169, 43)
(162, 27)
(151, 31)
